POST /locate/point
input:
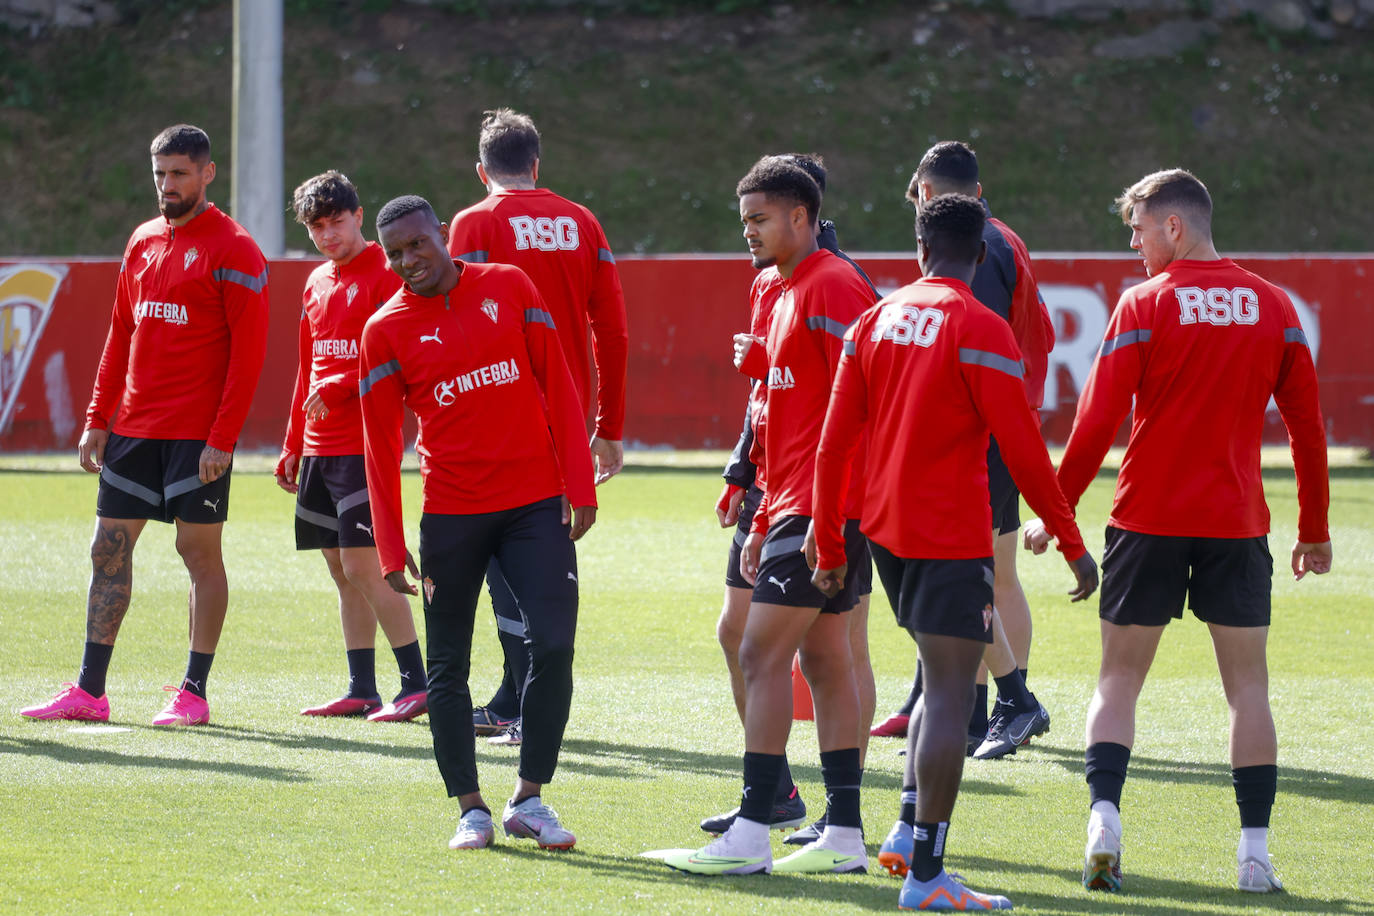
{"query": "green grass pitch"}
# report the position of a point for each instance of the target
(265, 811)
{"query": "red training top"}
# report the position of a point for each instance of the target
(1201, 347)
(563, 249)
(1030, 320)
(482, 370)
(929, 371)
(336, 302)
(819, 301)
(188, 333)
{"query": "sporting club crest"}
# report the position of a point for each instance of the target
(429, 590)
(352, 291)
(489, 306)
(987, 617)
(190, 258)
(26, 299)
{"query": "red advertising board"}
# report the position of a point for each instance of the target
(683, 391)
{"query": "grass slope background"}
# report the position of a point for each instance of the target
(651, 117)
(264, 811)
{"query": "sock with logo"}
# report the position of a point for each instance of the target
(915, 694)
(362, 673)
(908, 815)
(95, 662)
(1105, 769)
(786, 787)
(412, 668)
(198, 672)
(1012, 689)
(1255, 790)
(928, 852)
(843, 776)
(978, 721)
(760, 786)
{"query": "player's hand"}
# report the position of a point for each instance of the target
(830, 581)
(582, 518)
(742, 344)
(399, 583)
(609, 457)
(213, 464)
(1035, 537)
(749, 556)
(91, 449)
(727, 507)
(1085, 569)
(315, 407)
(1311, 558)
(808, 547)
(288, 468)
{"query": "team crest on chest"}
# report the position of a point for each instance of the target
(489, 306)
(352, 291)
(190, 258)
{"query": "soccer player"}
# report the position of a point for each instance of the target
(324, 448)
(928, 373)
(188, 333)
(1005, 283)
(738, 501)
(1199, 348)
(821, 295)
(506, 471)
(563, 249)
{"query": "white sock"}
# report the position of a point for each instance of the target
(1104, 814)
(749, 833)
(848, 840)
(1254, 844)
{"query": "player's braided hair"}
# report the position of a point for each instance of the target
(324, 195)
(182, 140)
(398, 207)
(951, 225)
(778, 178)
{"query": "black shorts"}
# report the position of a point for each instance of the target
(1145, 578)
(1003, 496)
(159, 479)
(747, 507)
(332, 508)
(785, 579)
(938, 597)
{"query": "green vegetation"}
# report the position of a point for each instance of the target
(652, 110)
(264, 811)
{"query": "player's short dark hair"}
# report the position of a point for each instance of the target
(1169, 191)
(508, 144)
(327, 194)
(398, 207)
(779, 179)
(182, 140)
(950, 167)
(951, 225)
(810, 163)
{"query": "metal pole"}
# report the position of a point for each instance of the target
(256, 200)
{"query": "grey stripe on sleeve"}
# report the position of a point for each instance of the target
(849, 348)
(1124, 339)
(604, 254)
(1295, 335)
(826, 324)
(474, 257)
(256, 284)
(991, 360)
(376, 375)
(539, 316)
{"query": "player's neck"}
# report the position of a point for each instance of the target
(808, 248)
(191, 214)
(1197, 250)
(347, 258)
(498, 185)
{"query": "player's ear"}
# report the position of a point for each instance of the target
(534, 170)
(443, 233)
(982, 252)
(482, 175)
(209, 171)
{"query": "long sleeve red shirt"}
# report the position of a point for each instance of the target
(563, 249)
(805, 337)
(928, 372)
(188, 333)
(335, 304)
(1200, 348)
(483, 372)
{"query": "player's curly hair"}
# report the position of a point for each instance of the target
(1169, 191)
(951, 226)
(508, 144)
(398, 207)
(777, 178)
(810, 163)
(950, 167)
(182, 140)
(327, 194)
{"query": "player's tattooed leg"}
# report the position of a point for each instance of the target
(112, 573)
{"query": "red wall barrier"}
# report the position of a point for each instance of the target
(683, 391)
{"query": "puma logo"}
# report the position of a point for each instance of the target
(572, 577)
(782, 586)
(214, 506)
(428, 337)
(362, 527)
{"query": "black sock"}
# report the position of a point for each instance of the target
(908, 814)
(978, 721)
(412, 668)
(1105, 767)
(785, 784)
(505, 702)
(915, 694)
(928, 852)
(362, 673)
(760, 786)
(843, 776)
(95, 662)
(1012, 689)
(1023, 674)
(1255, 789)
(198, 672)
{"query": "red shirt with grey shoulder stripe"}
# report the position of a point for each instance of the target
(1200, 348)
(929, 372)
(482, 370)
(563, 249)
(188, 333)
(336, 302)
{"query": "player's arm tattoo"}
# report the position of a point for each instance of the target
(112, 574)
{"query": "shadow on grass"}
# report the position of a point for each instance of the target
(1318, 784)
(85, 755)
